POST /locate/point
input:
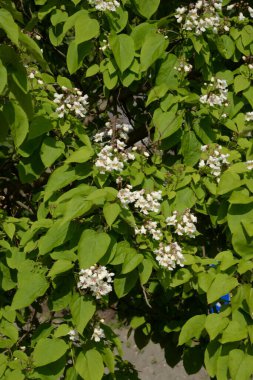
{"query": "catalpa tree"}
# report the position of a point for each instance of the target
(126, 183)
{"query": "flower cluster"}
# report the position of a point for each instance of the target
(217, 96)
(183, 223)
(114, 155)
(215, 161)
(200, 17)
(71, 100)
(34, 74)
(183, 67)
(73, 336)
(145, 202)
(238, 5)
(119, 130)
(249, 116)
(98, 334)
(168, 256)
(104, 45)
(151, 228)
(105, 5)
(97, 279)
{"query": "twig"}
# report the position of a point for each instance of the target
(145, 296)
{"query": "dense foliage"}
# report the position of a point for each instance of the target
(126, 181)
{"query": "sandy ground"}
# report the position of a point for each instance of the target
(151, 364)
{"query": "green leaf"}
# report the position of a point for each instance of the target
(48, 351)
(240, 365)
(110, 80)
(247, 35)
(228, 182)
(248, 94)
(62, 177)
(86, 28)
(140, 32)
(6, 281)
(167, 74)
(39, 126)
(76, 207)
(241, 83)
(226, 46)
(81, 155)
(54, 237)
(132, 260)
(192, 328)
(50, 150)
(9, 26)
(89, 365)
(152, 49)
(145, 270)
(123, 50)
(29, 291)
(221, 285)
(215, 324)
(92, 247)
(212, 355)
(18, 122)
(9, 229)
(238, 213)
(82, 310)
(166, 123)
(76, 53)
(182, 276)
(3, 77)
(235, 331)
(108, 358)
(190, 148)
(92, 70)
(118, 19)
(32, 48)
(147, 7)
(123, 284)
(157, 92)
(62, 330)
(59, 267)
(111, 212)
(193, 359)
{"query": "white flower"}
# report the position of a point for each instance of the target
(218, 95)
(184, 223)
(145, 202)
(250, 11)
(96, 279)
(230, 7)
(241, 16)
(98, 334)
(72, 101)
(249, 116)
(73, 335)
(249, 164)
(200, 17)
(168, 256)
(105, 5)
(215, 161)
(204, 148)
(151, 228)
